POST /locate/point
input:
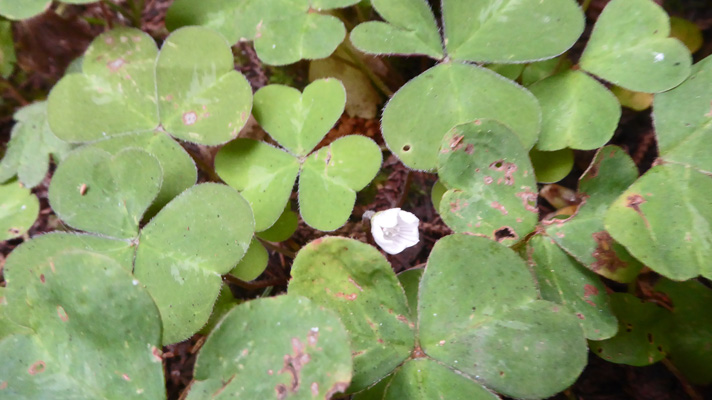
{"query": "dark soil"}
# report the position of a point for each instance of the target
(48, 43)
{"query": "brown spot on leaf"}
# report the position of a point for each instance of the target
(580, 316)
(314, 389)
(634, 201)
(62, 314)
(293, 363)
(488, 180)
(606, 257)
(505, 232)
(37, 368)
(281, 390)
(42, 278)
(470, 148)
(190, 117)
(126, 378)
(417, 352)
(589, 290)
(528, 199)
(156, 354)
(14, 231)
(115, 65)
(3, 385)
(313, 336)
(339, 387)
(650, 338)
(499, 207)
(455, 142)
(353, 282)
(83, 189)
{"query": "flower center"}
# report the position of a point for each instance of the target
(390, 233)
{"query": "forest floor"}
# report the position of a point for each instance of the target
(47, 44)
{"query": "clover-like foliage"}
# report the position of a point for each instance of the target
(181, 254)
(108, 321)
(490, 182)
(18, 210)
(31, 144)
(498, 335)
(18, 10)
(283, 345)
(328, 177)
(283, 31)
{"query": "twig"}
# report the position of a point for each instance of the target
(377, 82)
(683, 381)
(253, 285)
(203, 166)
(107, 16)
(13, 92)
(278, 249)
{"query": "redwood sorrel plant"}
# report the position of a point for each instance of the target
(508, 304)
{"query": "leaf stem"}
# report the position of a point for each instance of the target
(255, 285)
(278, 249)
(202, 165)
(377, 82)
(137, 7)
(685, 384)
(116, 8)
(13, 92)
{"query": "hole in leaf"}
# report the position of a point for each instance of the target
(503, 233)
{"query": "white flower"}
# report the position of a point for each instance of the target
(395, 230)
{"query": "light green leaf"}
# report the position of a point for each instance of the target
(97, 192)
(510, 30)
(583, 235)
(253, 263)
(284, 346)
(664, 220)
(425, 379)
(356, 281)
(410, 28)
(564, 281)
(577, 112)
(331, 177)
(630, 47)
(8, 327)
(30, 146)
(490, 181)
(683, 119)
(15, 10)
(298, 121)
(284, 31)
(18, 210)
(115, 94)
(642, 337)
(185, 249)
(551, 166)
(284, 228)
(410, 281)
(424, 109)
(23, 265)
(87, 310)
(179, 172)
(7, 48)
(436, 194)
(362, 100)
(690, 328)
(24, 9)
(539, 70)
(202, 99)
(497, 331)
(509, 71)
(302, 36)
(264, 175)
